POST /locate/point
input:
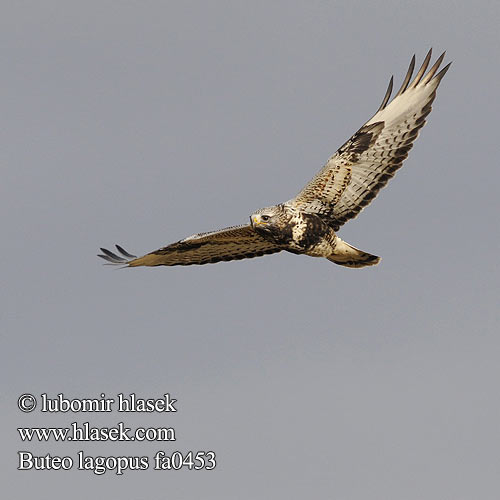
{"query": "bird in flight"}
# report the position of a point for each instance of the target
(308, 223)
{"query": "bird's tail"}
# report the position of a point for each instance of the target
(349, 256)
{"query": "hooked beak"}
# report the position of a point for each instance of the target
(255, 220)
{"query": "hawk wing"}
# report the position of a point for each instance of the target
(232, 243)
(355, 174)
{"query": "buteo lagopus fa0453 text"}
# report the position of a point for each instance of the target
(349, 181)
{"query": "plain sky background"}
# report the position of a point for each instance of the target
(141, 123)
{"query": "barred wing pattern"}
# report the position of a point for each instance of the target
(232, 243)
(355, 174)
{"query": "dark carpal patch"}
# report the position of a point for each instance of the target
(361, 140)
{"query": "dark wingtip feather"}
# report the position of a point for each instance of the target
(440, 75)
(111, 257)
(422, 69)
(109, 253)
(107, 258)
(432, 71)
(409, 73)
(125, 253)
(387, 96)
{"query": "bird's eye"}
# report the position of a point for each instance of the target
(265, 218)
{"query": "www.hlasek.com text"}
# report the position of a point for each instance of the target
(87, 432)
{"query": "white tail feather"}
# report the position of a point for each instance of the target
(349, 256)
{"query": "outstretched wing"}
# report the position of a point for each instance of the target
(232, 243)
(355, 174)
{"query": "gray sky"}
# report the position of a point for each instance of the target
(140, 123)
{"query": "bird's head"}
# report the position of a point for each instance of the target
(266, 220)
